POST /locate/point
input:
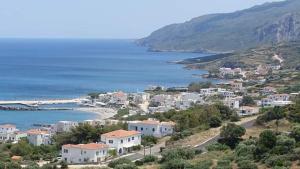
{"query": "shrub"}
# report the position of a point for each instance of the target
(235, 117)
(231, 134)
(148, 140)
(214, 121)
(139, 163)
(281, 160)
(296, 133)
(284, 145)
(136, 148)
(223, 164)
(178, 153)
(247, 164)
(126, 166)
(267, 139)
(203, 164)
(244, 152)
(149, 159)
(217, 147)
(175, 164)
(114, 163)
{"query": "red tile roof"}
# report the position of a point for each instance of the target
(36, 131)
(90, 146)
(120, 134)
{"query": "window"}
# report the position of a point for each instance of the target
(97, 153)
(142, 128)
(66, 151)
(128, 139)
(153, 129)
(132, 138)
(110, 141)
(121, 141)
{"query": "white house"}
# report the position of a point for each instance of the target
(233, 103)
(276, 100)
(38, 137)
(279, 97)
(84, 153)
(237, 86)
(268, 90)
(119, 98)
(228, 71)
(121, 140)
(152, 127)
(247, 111)
(65, 126)
(9, 132)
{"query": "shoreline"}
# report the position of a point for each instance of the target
(102, 113)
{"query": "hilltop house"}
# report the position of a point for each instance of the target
(121, 140)
(276, 100)
(228, 71)
(9, 132)
(247, 111)
(84, 153)
(38, 137)
(65, 126)
(152, 127)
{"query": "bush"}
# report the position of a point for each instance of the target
(114, 163)
(267, 139)
(126, 166)
(178, 153)
(148, 140)
(296, 133)
(223, 164)
(217, 147)
(149, 159)
(284, 145)
(235, 117)
(175, 164)
(247, 164)
(203, 164)
(231, 134)
(244, 152)
(281, 161)
(139, 163)
(136, 148)
(215, 121)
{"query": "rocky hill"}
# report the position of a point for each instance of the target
(269, 23)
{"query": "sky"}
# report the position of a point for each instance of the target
(109, 19)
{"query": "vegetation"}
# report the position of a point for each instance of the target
(85, 133)
(195, 87)
(231, 134)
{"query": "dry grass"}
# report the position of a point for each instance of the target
(203, 136)
(284, 126)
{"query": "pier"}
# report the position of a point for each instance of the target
(40, 102)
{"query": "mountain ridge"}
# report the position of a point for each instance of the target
(269, 23)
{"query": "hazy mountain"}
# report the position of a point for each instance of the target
(264, 24)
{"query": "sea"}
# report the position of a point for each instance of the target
(41, 69)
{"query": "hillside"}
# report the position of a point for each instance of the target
(251, 58)
(264, 24)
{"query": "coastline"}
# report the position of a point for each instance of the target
(102, 113)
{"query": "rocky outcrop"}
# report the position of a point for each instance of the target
(287, 28)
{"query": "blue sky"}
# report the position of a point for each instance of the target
(103, 18)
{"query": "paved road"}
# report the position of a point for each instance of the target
(156, 149)
(203, 146)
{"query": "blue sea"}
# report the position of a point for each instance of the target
(33, 69)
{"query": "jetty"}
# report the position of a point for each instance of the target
(40, 102)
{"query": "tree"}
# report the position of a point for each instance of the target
(296, 133)
(231, 134)
(248, 101)
(267, 139)
(215, 121)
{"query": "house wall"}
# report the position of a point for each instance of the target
(80, 156)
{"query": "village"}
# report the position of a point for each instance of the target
(234, 92)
